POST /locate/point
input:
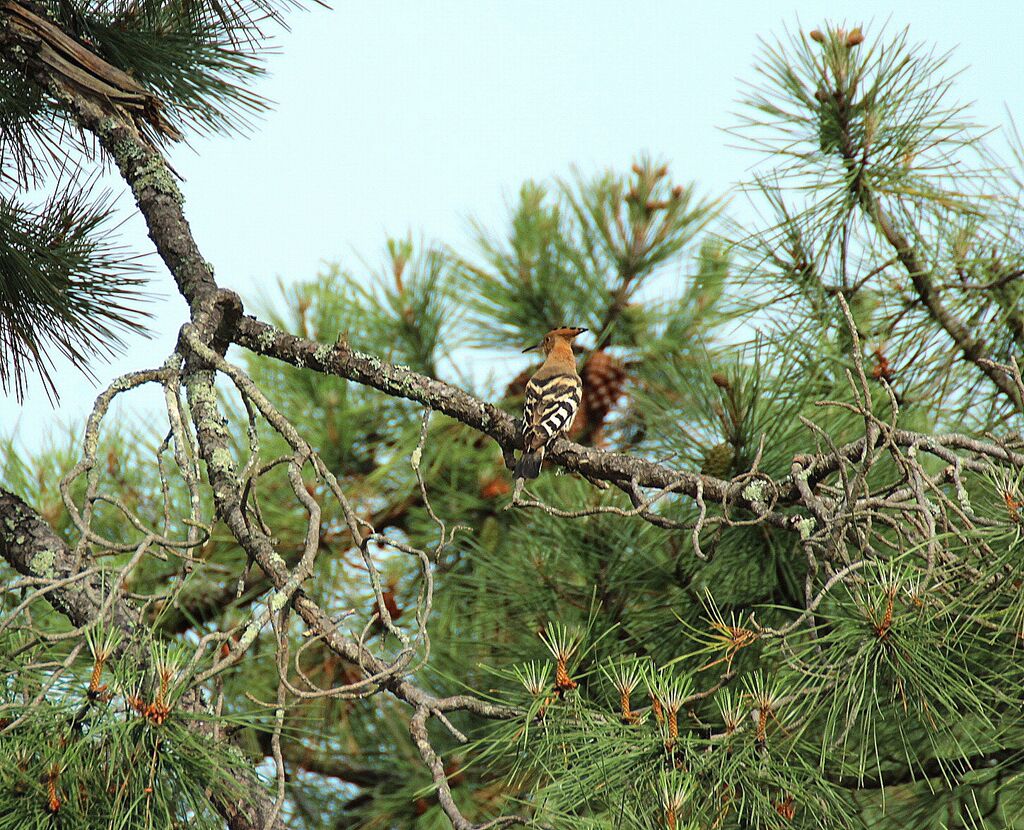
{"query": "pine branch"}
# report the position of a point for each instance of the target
(211, 432)
(70, 64)
(418, 731)
(971, 348)
(194, 608)
(487, 419)
(32, 548)
(844, 510)
(114, 124)
(64, 285)
(952, 770)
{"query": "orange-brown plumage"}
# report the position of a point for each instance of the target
(552, 398)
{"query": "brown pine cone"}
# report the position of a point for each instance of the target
(603, 377)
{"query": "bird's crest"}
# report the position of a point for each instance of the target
(566, 333)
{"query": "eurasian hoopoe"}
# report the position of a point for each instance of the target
(552, 398)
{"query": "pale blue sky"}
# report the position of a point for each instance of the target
(398, 116)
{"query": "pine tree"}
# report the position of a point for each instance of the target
(775, 584)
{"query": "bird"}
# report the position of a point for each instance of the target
(552, 398)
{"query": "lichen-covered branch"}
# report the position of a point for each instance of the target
(341, 360)
(214, 445)
(34, 550)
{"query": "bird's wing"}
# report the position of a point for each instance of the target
(550, 406)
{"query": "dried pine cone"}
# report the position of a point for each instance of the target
(603, 377)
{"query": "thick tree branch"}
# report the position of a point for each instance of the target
(369, 370)
(484, 417)
(32, 548)
(215, 447)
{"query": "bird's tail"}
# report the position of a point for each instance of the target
(528, 465)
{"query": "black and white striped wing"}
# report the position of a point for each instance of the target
(550, 406)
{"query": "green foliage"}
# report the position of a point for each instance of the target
(712, 668)
(65, 285)
(84, 754)
(868, 146)
(197, 57)
(580, 255)
(533, 280)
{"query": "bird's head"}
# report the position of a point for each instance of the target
(565, 334)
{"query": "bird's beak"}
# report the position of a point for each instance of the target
(531, 348)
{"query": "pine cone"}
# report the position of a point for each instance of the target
(579, 428)
(603, 379)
